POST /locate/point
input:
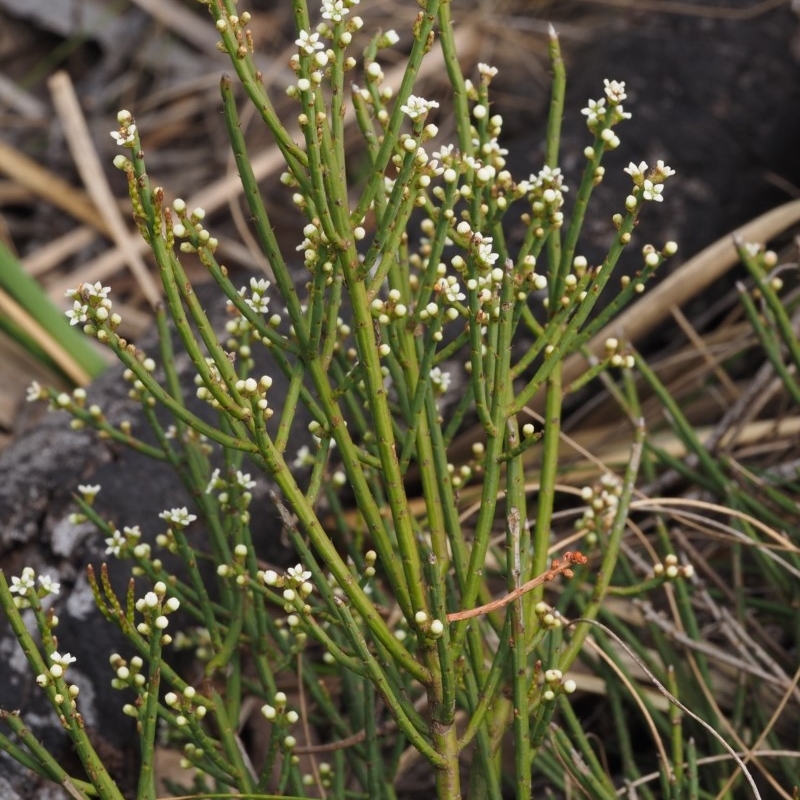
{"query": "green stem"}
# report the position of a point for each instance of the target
(422, 31)
(547, 485)
(42, 763)
(606, 571)
(264, 231)
(60, 699)
(567, 341)
(395, 705)
(148, 719)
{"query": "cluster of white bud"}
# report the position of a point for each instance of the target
(602, 501)
(549, 617)
(189, 703)
(155, 607)
(671, 569)
(555, 684)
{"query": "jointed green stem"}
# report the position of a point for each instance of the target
(610, 555)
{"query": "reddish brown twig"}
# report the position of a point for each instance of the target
(561, 566)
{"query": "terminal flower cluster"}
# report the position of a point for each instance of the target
(256, 297)
(188, 703)
(417, 107)
(555, 683)
(603, 114)
(189, 227)
(278, 714)
(671, 569)
(91, 304)
(127, 674)
(648, 183)
(546, 192)
(337, 10)
(155, 607)
(24, 587)
(119, 544)
(602, 502)
(126, 135)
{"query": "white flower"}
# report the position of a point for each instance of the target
(417, 107)
(663, 171)
(49, 585)
(652, 186)
(636, 172)
(78, 313)
(214, 482)
(486, 70)
(441, 380)
(652, 191)
(446, 153)
(89, 491)
(485, 254)
(124, 137)
(303, 458)
(24, 583)
(35, 392)
(448, 287)
(309, 43)
(115, 544)
(549, 178)
(62, 660)
(95, 289)
(178, 516)
(270, 577)
(244, 480)
(84, 291)
(297, 574)
(618, 114)
(375, 72)
(615, 91)
(258, 299)
(594, 112)
(334, 10)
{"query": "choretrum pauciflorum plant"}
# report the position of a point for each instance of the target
(434, 640)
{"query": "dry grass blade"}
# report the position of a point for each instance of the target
(91, 171)
(10, 309)
(185, 25)
(753, 752)
(265, 165)
(689, 281)
(692, 9)
(51, 255)
(43, 183)
(664, 691)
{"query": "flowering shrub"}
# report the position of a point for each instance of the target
(395, 596)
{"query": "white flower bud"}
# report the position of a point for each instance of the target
(553, 675)
(270, 577)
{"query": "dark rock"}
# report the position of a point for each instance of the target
(38, 475)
